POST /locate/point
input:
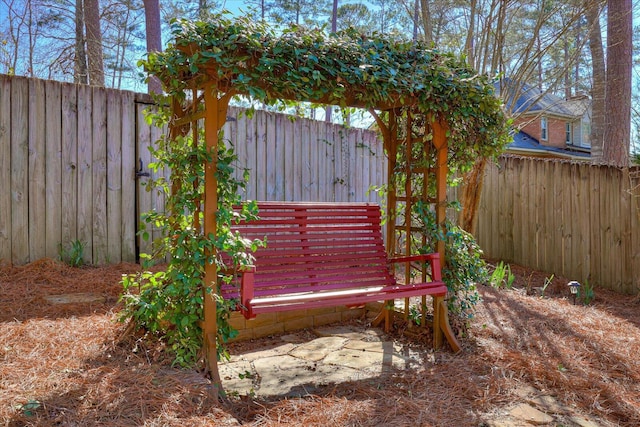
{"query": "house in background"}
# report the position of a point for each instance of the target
(547, 125)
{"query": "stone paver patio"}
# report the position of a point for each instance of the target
(297, 364)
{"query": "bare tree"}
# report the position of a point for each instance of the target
(334, 28)
(154, 37)
(617, 132)
(17, 35)
(599, 79)
(426, 21)
(95, 59)
(80, 73)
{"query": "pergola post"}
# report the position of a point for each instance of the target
(439, 129)
(214, 118)
(440, 143)
(392, 142)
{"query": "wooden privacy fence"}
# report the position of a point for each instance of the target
(305, 160)
(74, 159)
(69, 156)
(578, 220)
(67, 161)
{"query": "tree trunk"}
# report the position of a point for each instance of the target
(469, 44)
(617, 133)
(497, 64)
(334, 28)
(567, 70)
(426, 21)
(80, 62)
(470, 196)
(154, 38)
(599, 80)
(416, 17)
(94, 42)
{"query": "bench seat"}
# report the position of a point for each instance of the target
(323, 255)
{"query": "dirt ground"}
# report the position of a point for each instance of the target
(68, 365)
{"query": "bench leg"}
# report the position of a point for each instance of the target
(442, 327)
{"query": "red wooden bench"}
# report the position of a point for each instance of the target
(326, 254)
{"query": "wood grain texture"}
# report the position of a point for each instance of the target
(37, 163)
(114, 176)
(99, 171)
(5, 169)
(128, 160)
(143, 196)
(69, 166)
(19, 183)
(322, 254)
(85, 171)
(53, 179)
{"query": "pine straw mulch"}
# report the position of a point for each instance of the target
(67, 365)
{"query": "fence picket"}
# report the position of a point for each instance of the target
(287, 166)
(584, 223)
(19, 171)
(69, 171)
(85, 172)
(625, 232)
(5, 169)
(37, 162)
(99, 122)
(53, 178)
(280, 158)
(128, 215)
(634, 189)
(114, 175)
(614, 196)
(547, 248)
(143, 131)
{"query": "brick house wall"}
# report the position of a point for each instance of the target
(556, 130)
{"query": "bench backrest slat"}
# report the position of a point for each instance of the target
(311, 245)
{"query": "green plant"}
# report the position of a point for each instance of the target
(502, 276)
(169, 303)
(547, 282)
(586, 293)
(415, 314)
(73, 254)
(30, 408)
(307, 64)
(464, 267)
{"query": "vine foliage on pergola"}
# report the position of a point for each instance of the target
(418, 96)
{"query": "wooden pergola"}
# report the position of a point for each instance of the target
(210, 83)
(213, 111)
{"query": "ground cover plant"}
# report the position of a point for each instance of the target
(72, 364)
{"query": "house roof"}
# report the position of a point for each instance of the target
(525, 145)
(579, 105)
(522, 98)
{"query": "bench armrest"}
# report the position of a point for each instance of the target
(433, 259)
(246, 286)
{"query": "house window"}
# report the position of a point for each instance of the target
(543, 128)
(568, 138)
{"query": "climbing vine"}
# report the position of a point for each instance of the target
(246, 57)
(169, 303)
(344, 68)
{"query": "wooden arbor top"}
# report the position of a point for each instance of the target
(346, 69)
(210, 62)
